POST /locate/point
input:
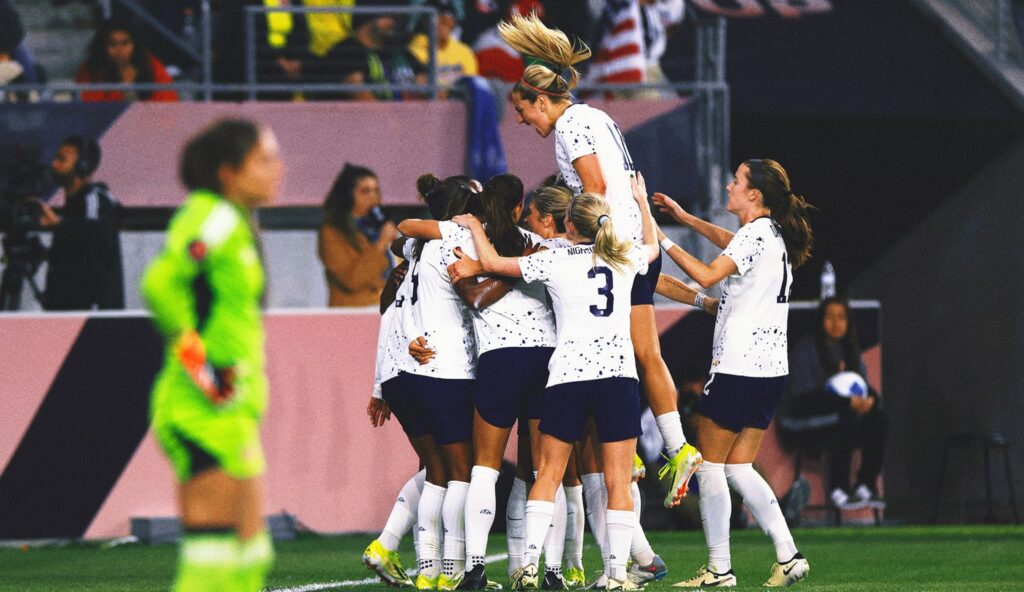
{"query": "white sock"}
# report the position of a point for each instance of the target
(538, 522)
(620, 533)
(554, 544)
(671, 429)
(760, 500)
(715, 509)
(597, 504)
(403, 513)
(575, 519)
(480, 508)
(640, 549)
(454, 516)
(429, 525)
(515, 524)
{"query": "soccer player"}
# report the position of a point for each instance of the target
(204, 292)
(592, 157)
(749, 358)
(381, 555)
(592, 371)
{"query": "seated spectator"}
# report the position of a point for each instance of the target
(296, 43)
(495, 58)
(115, 55)
(812, 416)
(455, 59)
(16, 63)
(373, 55)
(353, 240)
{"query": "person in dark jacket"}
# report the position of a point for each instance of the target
(84, 271)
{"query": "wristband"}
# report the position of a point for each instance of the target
(698, 300)
(666, 243)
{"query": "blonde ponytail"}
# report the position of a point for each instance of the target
(549, 56)
(592, 218)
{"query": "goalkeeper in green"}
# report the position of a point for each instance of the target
(204, 291)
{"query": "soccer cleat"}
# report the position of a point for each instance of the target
(575, 577)
(387, 564)
(648, 573)
(425, 582)
(639, 469)
(679, 469)
(788, 573)
(626, 584)
(599, 583)
(525, 578)
(553, 581)
(447, 582)
(706, 578)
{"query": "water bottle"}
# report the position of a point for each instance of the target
(828, 280)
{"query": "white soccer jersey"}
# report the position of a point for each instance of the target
(583, 130)
(522, 318)
(558, 242)
(436, 309)
(394, 335)
(751, 327)
(592, 306)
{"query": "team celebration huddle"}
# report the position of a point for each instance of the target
(549, 325)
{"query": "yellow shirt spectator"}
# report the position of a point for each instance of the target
(455, 59)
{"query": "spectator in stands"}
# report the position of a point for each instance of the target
(455, 59)
(496, 59)
(631, 39)
(84, 271)
(115, 55)
(16, 63)
(373, 55)
(353, 240)
(296, 44)
(840, 424)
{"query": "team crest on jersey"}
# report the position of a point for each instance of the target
(197, 250)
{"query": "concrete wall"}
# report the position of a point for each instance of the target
(953, 296)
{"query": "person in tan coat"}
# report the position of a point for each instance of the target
(353, 240)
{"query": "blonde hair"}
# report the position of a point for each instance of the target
(549, 55)
(586, 211)
(552, 200)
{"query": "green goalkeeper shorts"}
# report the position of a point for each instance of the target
(197, 435)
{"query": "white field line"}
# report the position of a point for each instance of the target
(364, 581)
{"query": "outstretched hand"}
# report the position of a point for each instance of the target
(670, 206)
(465, 267)
(465, 220)
(420, 352)
(639, 186)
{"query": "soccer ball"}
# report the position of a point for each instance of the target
(847, 384)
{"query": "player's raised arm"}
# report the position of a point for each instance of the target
(489, 258)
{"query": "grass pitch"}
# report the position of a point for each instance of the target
(946, 559)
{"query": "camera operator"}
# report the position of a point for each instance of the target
(84, 269)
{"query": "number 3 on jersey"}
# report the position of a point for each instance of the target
(606, 291)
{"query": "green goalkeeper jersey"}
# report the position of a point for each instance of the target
(209, 278)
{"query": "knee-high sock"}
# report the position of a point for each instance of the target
(597, 504)
(515, 524)
(715, 509)
(454, 518)
(429, 525)
(538, 523)
(575, 520)
(671, 428)
(208, 562)
(256, 555)
(640, 549)
(554, 544)
(480, 507)
(760, 500)
(620, 533)
(403, 513)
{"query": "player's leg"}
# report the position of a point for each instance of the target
(453, 418)
(489, 443)
(540, 506)
(661, 393)
(575, 575)
(715, 504)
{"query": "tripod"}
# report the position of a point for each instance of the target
(23, 254)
